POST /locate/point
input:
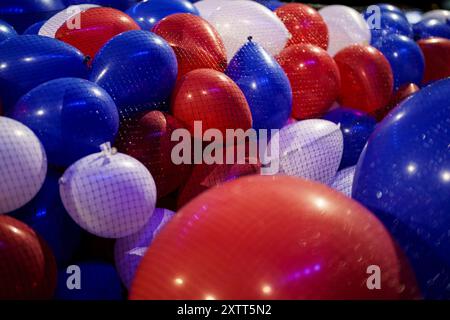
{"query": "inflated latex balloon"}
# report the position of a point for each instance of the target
(6, 31)
(264, 84)
(437, 54)
(28, 61)
(206, 7)
(429, 28)
(34, 28)
(304, 23)
(314, 78)
(98, 281)
(229, 252)
(310, 149)
(440, 14)
(206, 176)
(356, 127)
(414, 16)
(148, 13)
(237, 20)
(195, 42)
(72, 118)
(345, 27)
(358, 89)
(401, 94)
(23, 13)
(47, 216)
(271, 4)
(149, 141)
(88, 28)
(405, 57)
(391, 22)
(109, 194)
(344, 180)
(129, 251)
(386, 7)
(28, 268)
(23, 165)
(135, 68)
(214, 99)
(403, 177)
(117, 4)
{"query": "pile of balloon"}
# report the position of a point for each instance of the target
(92, 205)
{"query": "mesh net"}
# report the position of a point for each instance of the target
(344, 180)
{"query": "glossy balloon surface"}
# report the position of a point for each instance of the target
(439, 14)
(366, 78)
(6, 31)
(429, 28)
(391, 22)
(248, 246)
(117, 4)
(34, 28)
(403, 177)
(72, 118)
(264, 84)
(437, 54)
(28, 61)
(314, 78)
(195, 42)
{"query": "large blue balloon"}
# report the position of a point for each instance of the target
(403, 176)
(34, 28)
(429, 28)
(72, 118)
(23, 13)
(264, 84)
(28, 61)
(117, 4)
(148, 13)
(390, 22)
(404, 56)
(136, 68)
(271, 4)
(46, 215)
(98, 281)
(356, 127)
(6, 31)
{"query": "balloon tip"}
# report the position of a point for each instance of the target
(250, 38)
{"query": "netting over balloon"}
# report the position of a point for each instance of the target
(343, 181)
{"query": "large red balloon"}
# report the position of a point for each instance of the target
(195, 42)
(211, 97)
(366, 78)
(27, 266)
(149, 141)
(304, 24)
(437, 57)
(97, 26)
(314, 78)
(277, 237)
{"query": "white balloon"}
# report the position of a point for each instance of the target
(343, 181)
(310, 149)
(129, 251)
(206, 7)
(52, 25)
(238, 20)
(109, 194)
(414, 16)
(346, 26)
(23, 165)
(439, 14)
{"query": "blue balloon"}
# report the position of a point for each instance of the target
(6, 31)
(271, 4)
(28, 61)
(356, 127)
(403, 176)
(386, 7)
(429, 28)
(46, 215)
(117, 4)
(23, 13)
(72, 118)
(405, 57)
(390, 22)
(98, 281)
(34, 28)
(136, 68)
(264, 84)
(148, 13)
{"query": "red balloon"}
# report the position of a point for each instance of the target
(314, 78)
(401, 94)
(437, 57)
(149, 141)
(27, 266)
(97, 26)
(195, 42)
(272, 237)
(304, 24)
(211, 97)
(366, 78)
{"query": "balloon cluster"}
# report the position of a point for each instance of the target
(223, 149)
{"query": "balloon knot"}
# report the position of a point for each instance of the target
(250, 38)
(87, 59)
(107, 149)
